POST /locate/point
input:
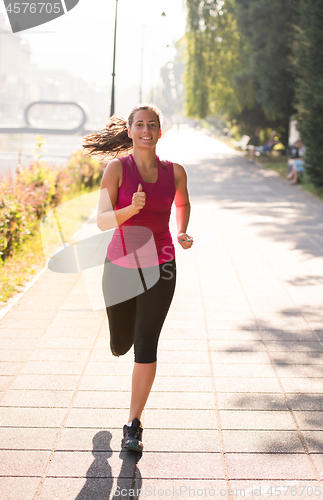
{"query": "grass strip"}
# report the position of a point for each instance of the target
(17, 270)
(279, 164)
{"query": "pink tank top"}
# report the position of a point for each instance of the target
(144, 240)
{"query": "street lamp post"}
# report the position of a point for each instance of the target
(141, 61)
(163, 16)
(114, 62)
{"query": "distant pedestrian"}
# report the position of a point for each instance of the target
(253, 144)
(137, 191)
(268, 146)
(295, 163)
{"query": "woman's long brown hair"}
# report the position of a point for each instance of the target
(113, 138)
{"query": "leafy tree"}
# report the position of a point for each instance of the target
(196, 73)
(308, 68)
(215, 54)
(172, 100)
(238, 60)
(267, 28)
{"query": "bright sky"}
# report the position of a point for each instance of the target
(82, 40)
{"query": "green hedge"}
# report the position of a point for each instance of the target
(34, 190)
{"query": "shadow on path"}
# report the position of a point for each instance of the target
(128, 485)
(99, 483)
(283, 214)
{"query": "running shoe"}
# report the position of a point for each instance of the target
(132, 436)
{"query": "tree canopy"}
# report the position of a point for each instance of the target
(238, 60)
(308, 71)
(258, 62)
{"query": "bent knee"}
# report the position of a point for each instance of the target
(119, 350)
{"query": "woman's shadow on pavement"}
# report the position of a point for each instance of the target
(99, 480)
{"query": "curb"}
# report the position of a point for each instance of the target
(14, 300)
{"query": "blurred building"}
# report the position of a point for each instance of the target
(22, 82)
(15, 73)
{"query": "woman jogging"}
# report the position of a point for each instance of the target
(137, 192)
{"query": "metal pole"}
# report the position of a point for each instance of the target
(114, 61)
(152, 95)
(141, 61)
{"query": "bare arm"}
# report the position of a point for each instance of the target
(183, 206)
(107, 217)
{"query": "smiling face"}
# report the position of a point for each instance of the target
(145, 130)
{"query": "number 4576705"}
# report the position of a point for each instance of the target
(33, 8)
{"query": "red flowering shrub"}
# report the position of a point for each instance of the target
(36, 189)
(15, 219)
(85, 171)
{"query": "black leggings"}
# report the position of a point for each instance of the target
(138, 321)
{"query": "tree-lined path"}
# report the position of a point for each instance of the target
(237, 402)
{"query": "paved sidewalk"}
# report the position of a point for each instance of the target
(236, 408)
